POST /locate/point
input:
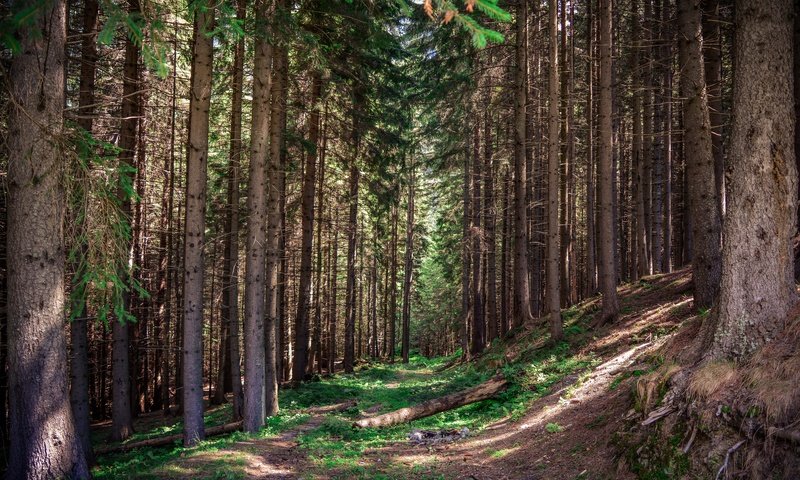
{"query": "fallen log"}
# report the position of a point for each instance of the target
(485, 390)
(167, 440)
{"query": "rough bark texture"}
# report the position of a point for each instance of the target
(255, 263)
(274, 254)
(352, 228)
(43, 444)
(606, 266)
(483, 391)
(522, 295)
(553, 263)
(196, 166)
(230, 265)
(489, 226)
(703, 207)
(301, 325)
(757, 289)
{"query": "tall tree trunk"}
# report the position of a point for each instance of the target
(318, 284)
(607, 268)
(476, 346)
(703, 206)
(758, 290)
(409, 267)
(334, 261)
(553, 263)
(591, 228)
(489, 224)
(79, 364)
(393, 284)
(466, 312)
(255, 263)
(301, 326)
(43, 442)
(666, 191)
(274, 254)
(121, 420)
(230, 275)
(712, 55)
(350, 302)
(194, 230)
(522, 295)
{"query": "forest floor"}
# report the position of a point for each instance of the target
(558, 419)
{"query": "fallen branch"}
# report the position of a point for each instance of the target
(727, 457)
(657, 415)
(483, 391)
(167, 440)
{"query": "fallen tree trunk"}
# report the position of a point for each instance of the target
(167, 440)
(483, 391)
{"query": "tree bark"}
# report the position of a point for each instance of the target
(483, 391)
(350, 320)
(758, 290)
(553, 264)
(409, 268)
(194, 230)
(607, 267)
(301, 326)
(255, 263)
(476, 345)
(703, 207)
(489, 213)
(43, 441)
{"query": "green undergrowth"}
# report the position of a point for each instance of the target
(157, 463)
(336, 449)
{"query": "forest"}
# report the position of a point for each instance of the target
(399, 239)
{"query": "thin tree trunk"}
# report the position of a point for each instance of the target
(79, 364)
(712, 56)
(703, 206)
(350, 303)
(522, 300)
(301, 326)
(553, 263)
(409, 267)
(489, 213)
(607, 268)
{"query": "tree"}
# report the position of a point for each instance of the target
(230, 274)
(703, 207)
(409, 267)
(79, 365)
(43, 441)
(522, 300)
(196, 167)
(607, 267)
(757, 289)
(553, 263)
(121, 419)
(255, 266)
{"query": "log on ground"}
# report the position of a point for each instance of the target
(483, 391)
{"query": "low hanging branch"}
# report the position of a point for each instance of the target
(483, 391)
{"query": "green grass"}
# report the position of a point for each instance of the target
(336, 449)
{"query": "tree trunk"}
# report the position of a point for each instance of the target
(409, 268)
(483, 391)
(465, 259)
(553, 264)
(43, 442)
(255, 263)
(350, 302)
(522, 295)
(712, 54)
(476, 346)
(79, 364)
(758, 290)
(301, 326)
(489, 225)
(703, 206)
(591, 241)
(607, 268)
(194, 230)
(121, 419)
(393, 284)
(274, 254)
